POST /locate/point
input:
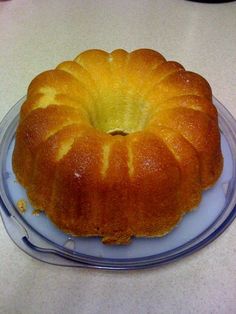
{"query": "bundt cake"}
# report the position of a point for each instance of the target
(117, 144)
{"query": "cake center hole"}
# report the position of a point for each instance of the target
(118, 132)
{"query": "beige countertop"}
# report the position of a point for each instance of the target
(37, 35)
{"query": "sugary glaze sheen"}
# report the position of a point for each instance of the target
(72, 157)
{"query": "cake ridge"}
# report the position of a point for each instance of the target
(205, 105)
(165, 76)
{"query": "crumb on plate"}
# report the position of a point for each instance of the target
(21, 205)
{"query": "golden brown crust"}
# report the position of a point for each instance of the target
(91, 183)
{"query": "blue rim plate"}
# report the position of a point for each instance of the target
(39, 238)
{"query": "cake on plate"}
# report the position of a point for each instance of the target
(117, 144)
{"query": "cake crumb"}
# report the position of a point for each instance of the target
(21, 205)
(36, 212)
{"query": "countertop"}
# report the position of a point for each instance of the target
(37, 35)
